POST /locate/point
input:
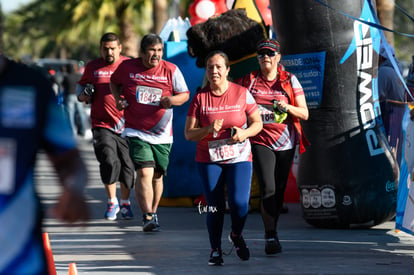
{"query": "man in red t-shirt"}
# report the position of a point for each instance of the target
(149, 87)
(111, 149)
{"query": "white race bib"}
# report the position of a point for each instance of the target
(148, 95)
(267, 114)
(7, 165)
(219, 150)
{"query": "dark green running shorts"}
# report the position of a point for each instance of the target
(144, 154)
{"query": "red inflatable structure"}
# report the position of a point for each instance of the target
(201, 10)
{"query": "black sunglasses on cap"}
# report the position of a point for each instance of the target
(261, 54)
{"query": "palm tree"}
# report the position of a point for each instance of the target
(160, 14)
(385, 10)
(129, 19)
(72, 28)
(62, 27)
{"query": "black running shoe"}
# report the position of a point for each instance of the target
(272, 246)
(216, 257)
(241, 248)
(149, 223)
(157, 223)
(285, 209)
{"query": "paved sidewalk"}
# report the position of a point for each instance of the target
(182, 247)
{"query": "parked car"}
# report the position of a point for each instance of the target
(55, 63)
(55, 66)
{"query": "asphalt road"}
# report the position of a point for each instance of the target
(182, 247)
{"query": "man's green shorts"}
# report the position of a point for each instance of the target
(144, 154)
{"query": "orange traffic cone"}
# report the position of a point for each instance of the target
(49, 255)
(72, 269)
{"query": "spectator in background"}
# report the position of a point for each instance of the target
(54, 81)
(392, 98)
(32, 121)
(74, 108)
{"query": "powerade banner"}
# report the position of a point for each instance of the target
(347, 176)
(309, 69)
(404, 219)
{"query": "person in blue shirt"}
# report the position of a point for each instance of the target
(391, 94)
(30, 121)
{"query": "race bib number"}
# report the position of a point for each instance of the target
(7, 165)
(219, 150)
(267, 114)
(148, 95)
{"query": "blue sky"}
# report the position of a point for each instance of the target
(10, 5)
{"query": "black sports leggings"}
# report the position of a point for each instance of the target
(272, 169)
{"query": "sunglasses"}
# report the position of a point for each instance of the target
(268, 53)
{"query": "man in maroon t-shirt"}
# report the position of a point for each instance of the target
(147, 88)
(111, 149)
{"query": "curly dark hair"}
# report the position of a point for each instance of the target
(232, 32)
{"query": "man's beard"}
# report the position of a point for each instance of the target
(110, 59)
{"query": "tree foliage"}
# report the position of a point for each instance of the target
(402, 23)
(72, 28)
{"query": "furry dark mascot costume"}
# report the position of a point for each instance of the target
(231, 32)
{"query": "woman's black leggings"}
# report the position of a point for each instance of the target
(272, 169)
